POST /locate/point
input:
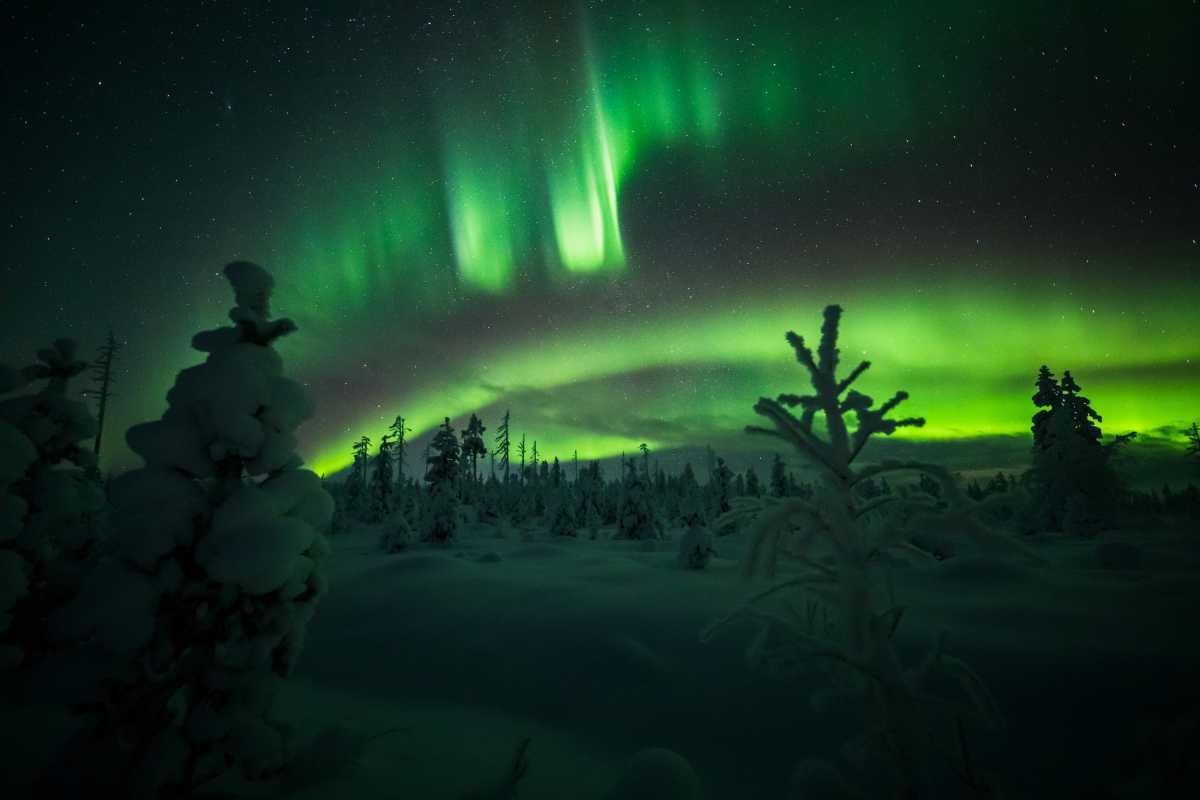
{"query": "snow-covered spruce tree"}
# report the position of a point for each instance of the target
(560, 512)
(911, 726)
(473, 445)
(201, 613)
(49, 506)
(636, 515)
(441, 520)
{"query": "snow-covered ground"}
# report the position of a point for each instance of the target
(592, 649)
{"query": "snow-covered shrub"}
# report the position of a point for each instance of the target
(696, 544)
(49, 506)
(216, 572)
(561, 513)
(696, 547)
(636, 515)
(397, 535)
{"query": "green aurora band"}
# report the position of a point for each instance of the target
(533, 160)
(968, 364)
(514, 182)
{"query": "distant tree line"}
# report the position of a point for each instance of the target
(1071, 485)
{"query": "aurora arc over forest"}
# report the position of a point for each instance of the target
(605, 216)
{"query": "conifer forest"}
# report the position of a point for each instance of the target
(600, 400)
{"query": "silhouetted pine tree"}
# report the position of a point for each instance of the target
(382, 482)
(1048, 397)
(472, 444)
(502, 446)
(399, 431)
(102, 381)
(1076, 488)
(356, 482)
(521, 454)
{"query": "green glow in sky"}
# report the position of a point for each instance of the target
(535, 151)
(456, 216)
(583, 195)
(967, 356)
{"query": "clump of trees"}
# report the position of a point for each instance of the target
(1072, 484)
(535, 490)
(50, 500)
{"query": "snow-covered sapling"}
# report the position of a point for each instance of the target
(202, 610)
(903, 727)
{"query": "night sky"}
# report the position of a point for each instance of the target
(605, 215)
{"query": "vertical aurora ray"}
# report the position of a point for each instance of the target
(537, 139)
(485, 204)
(583, 189)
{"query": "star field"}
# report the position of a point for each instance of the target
(605, 215)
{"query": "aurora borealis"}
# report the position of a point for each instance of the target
(605, 215)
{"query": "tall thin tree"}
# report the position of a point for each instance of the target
(398, 430)
(502, 445)
(521, 453)
(102, 378)
(473, 446)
